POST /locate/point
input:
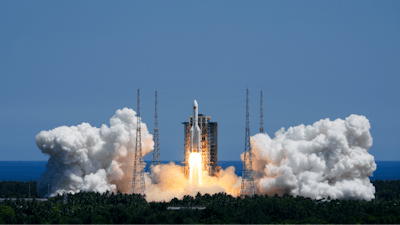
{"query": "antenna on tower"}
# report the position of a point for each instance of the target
(247, 187)
(156, 151)
(138, 185)
(261, 113)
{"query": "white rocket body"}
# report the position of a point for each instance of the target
(195, 134)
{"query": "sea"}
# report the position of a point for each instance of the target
(32, 170)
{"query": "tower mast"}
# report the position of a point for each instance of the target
(261, 113)
(156, 151)
(247, 187)
(138, 185)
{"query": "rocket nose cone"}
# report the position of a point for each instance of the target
(195, 104)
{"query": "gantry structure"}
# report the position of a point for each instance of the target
(209, 144)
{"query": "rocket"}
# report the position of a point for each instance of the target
(195, 134)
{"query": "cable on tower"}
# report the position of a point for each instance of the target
(261, 113)
(156, 151)
(247, 187)
(138, 184)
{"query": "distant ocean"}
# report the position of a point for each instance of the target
(32, 170)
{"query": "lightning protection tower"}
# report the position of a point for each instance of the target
(138, 185)
(247, 187)
(261, 113)
(156, 151)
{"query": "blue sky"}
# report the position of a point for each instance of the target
(68, 62)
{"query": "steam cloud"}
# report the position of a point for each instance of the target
(86, 158)
(329, 158)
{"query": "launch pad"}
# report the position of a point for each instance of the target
(208, 136)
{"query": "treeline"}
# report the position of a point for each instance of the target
(219, 208)
(385, 189)
(13, 189)
(388, 190)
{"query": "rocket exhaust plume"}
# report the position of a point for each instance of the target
(195, 171)
(86, 158)
(328, 158)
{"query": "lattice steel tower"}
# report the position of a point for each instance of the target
(138, 185)
(247, 187)
(261, 113)
(156, 151)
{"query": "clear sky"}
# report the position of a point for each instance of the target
(68, 62)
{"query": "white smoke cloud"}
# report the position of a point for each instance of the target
(86, 158)
(329, 158)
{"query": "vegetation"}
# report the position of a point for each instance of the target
(13, 189)
(220, 208)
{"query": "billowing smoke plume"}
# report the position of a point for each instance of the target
(86, 158)
(329, 158)
(173, 184)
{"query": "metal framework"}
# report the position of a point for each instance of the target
(261, 113)
(208, 166)
(205, 143)
(138, 185)
(156, 151)
(247, 187)
(186, 147)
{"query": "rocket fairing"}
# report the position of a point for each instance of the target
(195, 134)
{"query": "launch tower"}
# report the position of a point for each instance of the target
(261, 114)
(156, 151)
(247, 187)
(209, 144)
(138, 182)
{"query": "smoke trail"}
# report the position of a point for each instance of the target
(329, 158)
(86, 158)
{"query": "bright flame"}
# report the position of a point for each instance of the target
(195, 168)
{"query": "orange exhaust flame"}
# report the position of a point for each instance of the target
(195, 173)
